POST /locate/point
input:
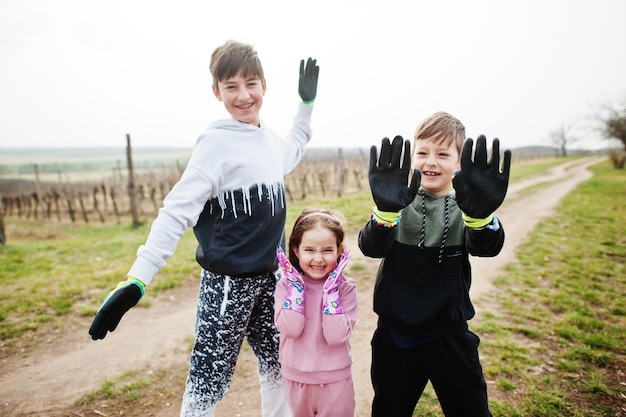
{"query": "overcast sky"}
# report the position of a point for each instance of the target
(80, 73)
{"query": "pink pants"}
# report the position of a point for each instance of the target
(320, 400)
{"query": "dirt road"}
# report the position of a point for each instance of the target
(68, 364)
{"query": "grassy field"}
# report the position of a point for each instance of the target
(560, 347)
(557, 348)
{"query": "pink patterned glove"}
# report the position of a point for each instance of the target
(295, 292)
(331, 304)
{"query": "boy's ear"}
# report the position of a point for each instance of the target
(264, 86)
(216, 91)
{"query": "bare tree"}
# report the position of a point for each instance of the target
(612, 120)
(563, 137)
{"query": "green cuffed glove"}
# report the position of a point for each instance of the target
(385, 218)
(389, 175)
(490, 222)
(307, 84)
(481, 185)
(126, 295)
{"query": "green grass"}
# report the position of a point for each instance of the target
(564, 311)
(126, 385)
(52, 270)
(355, 208)
(532, 167)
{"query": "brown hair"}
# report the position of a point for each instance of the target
(308, 219)
(441, 127)
(227, 60)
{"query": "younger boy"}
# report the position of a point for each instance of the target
(425, 236)
(232, 194)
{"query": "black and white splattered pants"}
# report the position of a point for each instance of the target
(229, 310)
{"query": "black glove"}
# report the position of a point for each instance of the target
(117, 303)
(307, 87)
(388, 181)
(480, 185)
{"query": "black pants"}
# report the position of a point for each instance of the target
(399, 376)
(231, 309)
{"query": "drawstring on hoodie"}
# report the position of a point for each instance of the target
(422, 235)
(446, 227)
(446, 220)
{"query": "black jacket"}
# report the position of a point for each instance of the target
(423, 282)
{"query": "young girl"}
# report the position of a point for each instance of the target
(315, 312)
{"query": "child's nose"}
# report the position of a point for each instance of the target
(243, 94)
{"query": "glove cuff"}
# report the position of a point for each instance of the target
(385, 218)
(308, 102)
(478, 224)
(135, 281)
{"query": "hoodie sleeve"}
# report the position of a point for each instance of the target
(376, 241)
(180, 211)
(484, 242)
(298, 137)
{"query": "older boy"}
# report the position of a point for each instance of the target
(232, 194)
(421, 295)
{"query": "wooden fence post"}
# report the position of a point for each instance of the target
(81, 203)
(115, 207)
(96, 206)
(38, 206)
(55, 198)
(339, 173)
(70, 207)
(3, 238)
(131, 183)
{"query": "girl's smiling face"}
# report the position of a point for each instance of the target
(437, 161)
(317, 252)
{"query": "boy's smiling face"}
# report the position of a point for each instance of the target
(242, 97)
(437, 161)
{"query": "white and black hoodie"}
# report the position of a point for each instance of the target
(232, 194)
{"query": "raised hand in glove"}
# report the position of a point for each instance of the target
(118, 302)
(388, 180)
(480, 185)
(331, 303)
(295, 292)
(307, 86)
